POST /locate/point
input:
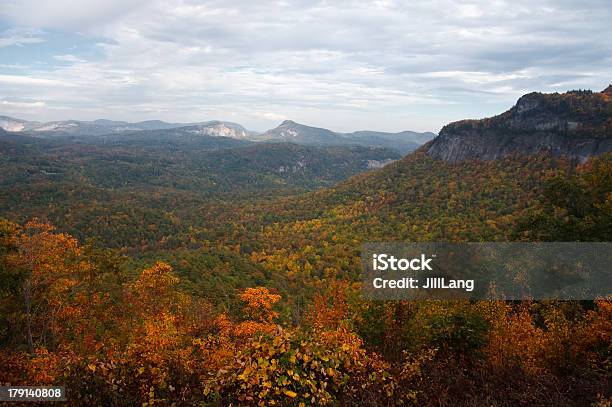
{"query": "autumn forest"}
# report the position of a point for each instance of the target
(290, 203)
(192, 272)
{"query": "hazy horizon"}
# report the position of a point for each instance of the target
(345, 66)
(195, 122)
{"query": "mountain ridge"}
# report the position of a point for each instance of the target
(287, 131)
(100, 127)
(575, 124)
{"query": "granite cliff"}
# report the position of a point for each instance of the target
(576, 124)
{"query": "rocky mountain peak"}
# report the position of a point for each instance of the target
(576, 124)
(528, 102)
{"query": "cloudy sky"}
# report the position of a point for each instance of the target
(345, 65)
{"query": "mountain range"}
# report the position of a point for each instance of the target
(291, 131)
(287, 131)
(179, 227)
(103, 127)
(575, 124)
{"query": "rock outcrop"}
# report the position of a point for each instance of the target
(576, 124)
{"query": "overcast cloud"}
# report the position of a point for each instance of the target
(345, 65)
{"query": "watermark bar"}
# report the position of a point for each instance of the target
(494, 271)
(32, 393)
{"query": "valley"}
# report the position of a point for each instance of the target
(217, 265)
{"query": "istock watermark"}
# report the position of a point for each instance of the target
(496, 271)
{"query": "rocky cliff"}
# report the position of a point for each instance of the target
(576, 124)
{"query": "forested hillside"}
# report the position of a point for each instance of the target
(186, 324)
(202, 272)
(294, 203)
(134, 191)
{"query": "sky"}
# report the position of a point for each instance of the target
(344, 65)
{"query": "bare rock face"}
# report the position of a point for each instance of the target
(575, 124)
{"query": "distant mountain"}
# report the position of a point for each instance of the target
(576, 124)
(221, 129)
(12, 124)
(78, 127)
(413, 136)
(103, 126)
(291, 131)
(301, 134)
(288, 131)
(198, 137)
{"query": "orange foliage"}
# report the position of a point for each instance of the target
(146, 342)
(259, 302)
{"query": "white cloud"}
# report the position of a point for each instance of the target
(469, 10)
(21, 105)
(75, 14)
(20, 36)
(383, 64)
(68, 58)
(27, 80)
(270, 115)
